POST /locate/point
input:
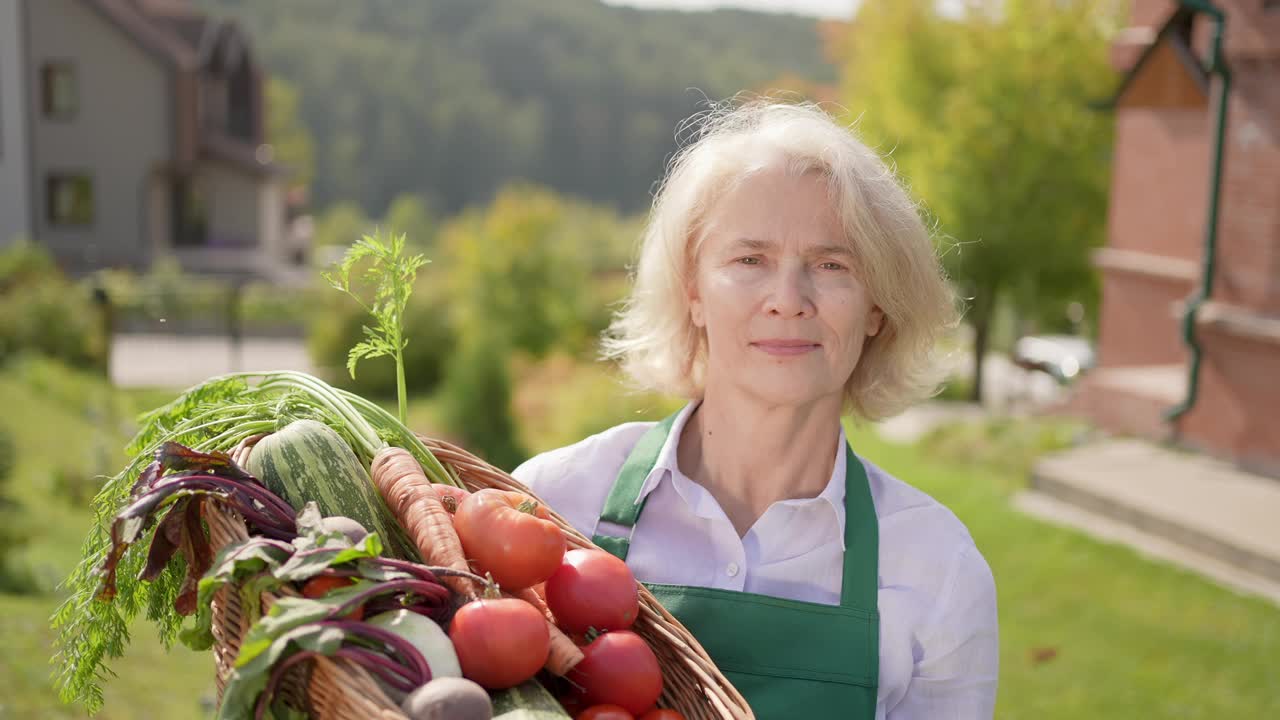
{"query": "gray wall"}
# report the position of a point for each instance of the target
(15, 202)
(120, 136)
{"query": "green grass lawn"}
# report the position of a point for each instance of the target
(1132, 638)
(56, 427)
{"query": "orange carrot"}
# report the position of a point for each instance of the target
(415, 504)
(564, 653)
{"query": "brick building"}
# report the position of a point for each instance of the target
(1153, 266)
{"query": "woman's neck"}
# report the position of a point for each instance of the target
(749, 455)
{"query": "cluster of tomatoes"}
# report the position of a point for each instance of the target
(591, 594)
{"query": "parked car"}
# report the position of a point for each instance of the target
(1063, 357)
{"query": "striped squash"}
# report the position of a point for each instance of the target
(529, 701)
(307, 460)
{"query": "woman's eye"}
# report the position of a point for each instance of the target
(749, 261)
(831, 266)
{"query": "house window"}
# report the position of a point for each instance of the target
(190, 214)
(59, 94)
(69, 199)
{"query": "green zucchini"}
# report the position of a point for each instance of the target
(307, 460)
(529, 701)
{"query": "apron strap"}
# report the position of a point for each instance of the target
(860, 584)
(623, 505)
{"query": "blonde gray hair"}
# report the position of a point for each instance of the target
(654, 336)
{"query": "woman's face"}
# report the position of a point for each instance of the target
(784, 313)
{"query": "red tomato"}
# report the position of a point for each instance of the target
(510, 537)
(593, 589)
(320, 585)
(500, 643)
(663, 714)
(604, 712)
(619, 668)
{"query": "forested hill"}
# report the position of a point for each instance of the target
(451, 98)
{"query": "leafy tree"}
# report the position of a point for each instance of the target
(452, 99)
(341, 225)
(408, 214)
(291, 139)
(476, 402)
(512, 267)
(988, 117)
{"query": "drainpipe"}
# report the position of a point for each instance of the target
(1217, 66)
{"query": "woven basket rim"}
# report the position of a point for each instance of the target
(692, 682)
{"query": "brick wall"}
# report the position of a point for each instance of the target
(1136, 326)
(1160, 182)
(1236, 413)
(1249, 239)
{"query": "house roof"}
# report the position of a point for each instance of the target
(181, 36)
(1174, 35)
(129, 17)
(175, 30)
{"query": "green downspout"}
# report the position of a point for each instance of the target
(1218, 67)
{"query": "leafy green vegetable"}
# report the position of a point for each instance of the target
(248, 681)
(297, 629)
(260, 564)
(393, 274)
(212, 416)
(249, 564)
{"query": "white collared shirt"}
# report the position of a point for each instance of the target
(939, 653)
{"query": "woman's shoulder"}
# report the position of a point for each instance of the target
(899, 503)
(926, 547)
(575, 479)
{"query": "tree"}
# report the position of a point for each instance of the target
(408, 214)
(290, 138)
(513, 267)
(988, 117)
(456, 97)
(341, 225)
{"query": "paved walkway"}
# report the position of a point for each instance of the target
(174, 361)
(1189, 509)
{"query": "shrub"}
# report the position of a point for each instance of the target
(476, 399)
(335, 326)
(41, 311)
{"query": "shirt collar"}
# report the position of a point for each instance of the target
(667, 466)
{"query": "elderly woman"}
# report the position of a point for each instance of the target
(785, 278)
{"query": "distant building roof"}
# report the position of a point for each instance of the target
(1172, 40)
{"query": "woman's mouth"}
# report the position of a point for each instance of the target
(786, 347)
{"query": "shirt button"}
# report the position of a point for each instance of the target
(732, 569)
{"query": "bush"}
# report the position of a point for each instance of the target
(476, 400)
(335, 325)
(167, 299)
(562, 400)
(12, 532)
(41, 311)
(1011, 444)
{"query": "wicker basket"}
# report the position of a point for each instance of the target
(338, 690)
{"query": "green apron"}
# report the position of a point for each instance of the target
(789, 659)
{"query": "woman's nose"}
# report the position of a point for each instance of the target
(790, 294)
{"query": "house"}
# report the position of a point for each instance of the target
(144, 138)
(1193, 250)
(15, 205)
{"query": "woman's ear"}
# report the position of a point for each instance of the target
(695, 307)
(875, 321)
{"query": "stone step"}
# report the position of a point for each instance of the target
(1199, 503)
